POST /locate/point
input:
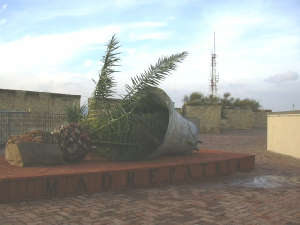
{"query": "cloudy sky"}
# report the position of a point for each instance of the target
(56, 45)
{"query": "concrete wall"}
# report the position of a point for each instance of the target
(260, 119)
(284, 133)
(237, 119)
(206, 117)
(17, 100)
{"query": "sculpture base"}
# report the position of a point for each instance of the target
(90, 176)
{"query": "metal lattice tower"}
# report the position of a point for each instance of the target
(214, 78)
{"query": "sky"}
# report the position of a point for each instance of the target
(57, 45)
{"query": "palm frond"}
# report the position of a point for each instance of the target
(152, 76)
(129, 129)
(106, 82)
(75, 113)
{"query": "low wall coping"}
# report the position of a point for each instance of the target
(285, 113)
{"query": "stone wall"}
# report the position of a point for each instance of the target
(206, 117)
(17, 100)
(243, 119)
(211, 118)
(237, 119)
(260, 119)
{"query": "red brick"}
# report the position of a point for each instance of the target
(159, 176)
(141, 178)
(17, 190)
(93, 182)
(210, 169)
(119, 180)
(223, 168)
(196, 171)
(4, 191)
(233, 165)
(177, 174)
(50, 186)
(164, 171)
(65, 185)
(34, 188)
(106, 181)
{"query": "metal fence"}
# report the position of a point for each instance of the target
(15, 123)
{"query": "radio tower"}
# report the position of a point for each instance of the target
(214, 78)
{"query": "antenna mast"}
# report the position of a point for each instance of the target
(214, 78)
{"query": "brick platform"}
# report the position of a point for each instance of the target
(92, 176)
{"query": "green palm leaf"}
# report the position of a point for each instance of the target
(117, 129)
(106, 82)
(152, 77)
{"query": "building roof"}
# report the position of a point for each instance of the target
(38, 92)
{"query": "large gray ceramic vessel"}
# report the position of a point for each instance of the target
(181, 135)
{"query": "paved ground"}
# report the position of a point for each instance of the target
(270, 194)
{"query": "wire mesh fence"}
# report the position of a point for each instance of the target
(15, 123)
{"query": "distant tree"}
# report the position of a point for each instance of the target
(249, 104)
(197, 98)
(212, 100)
(226, 95)
(226, 101)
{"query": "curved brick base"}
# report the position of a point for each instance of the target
(92, 176)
